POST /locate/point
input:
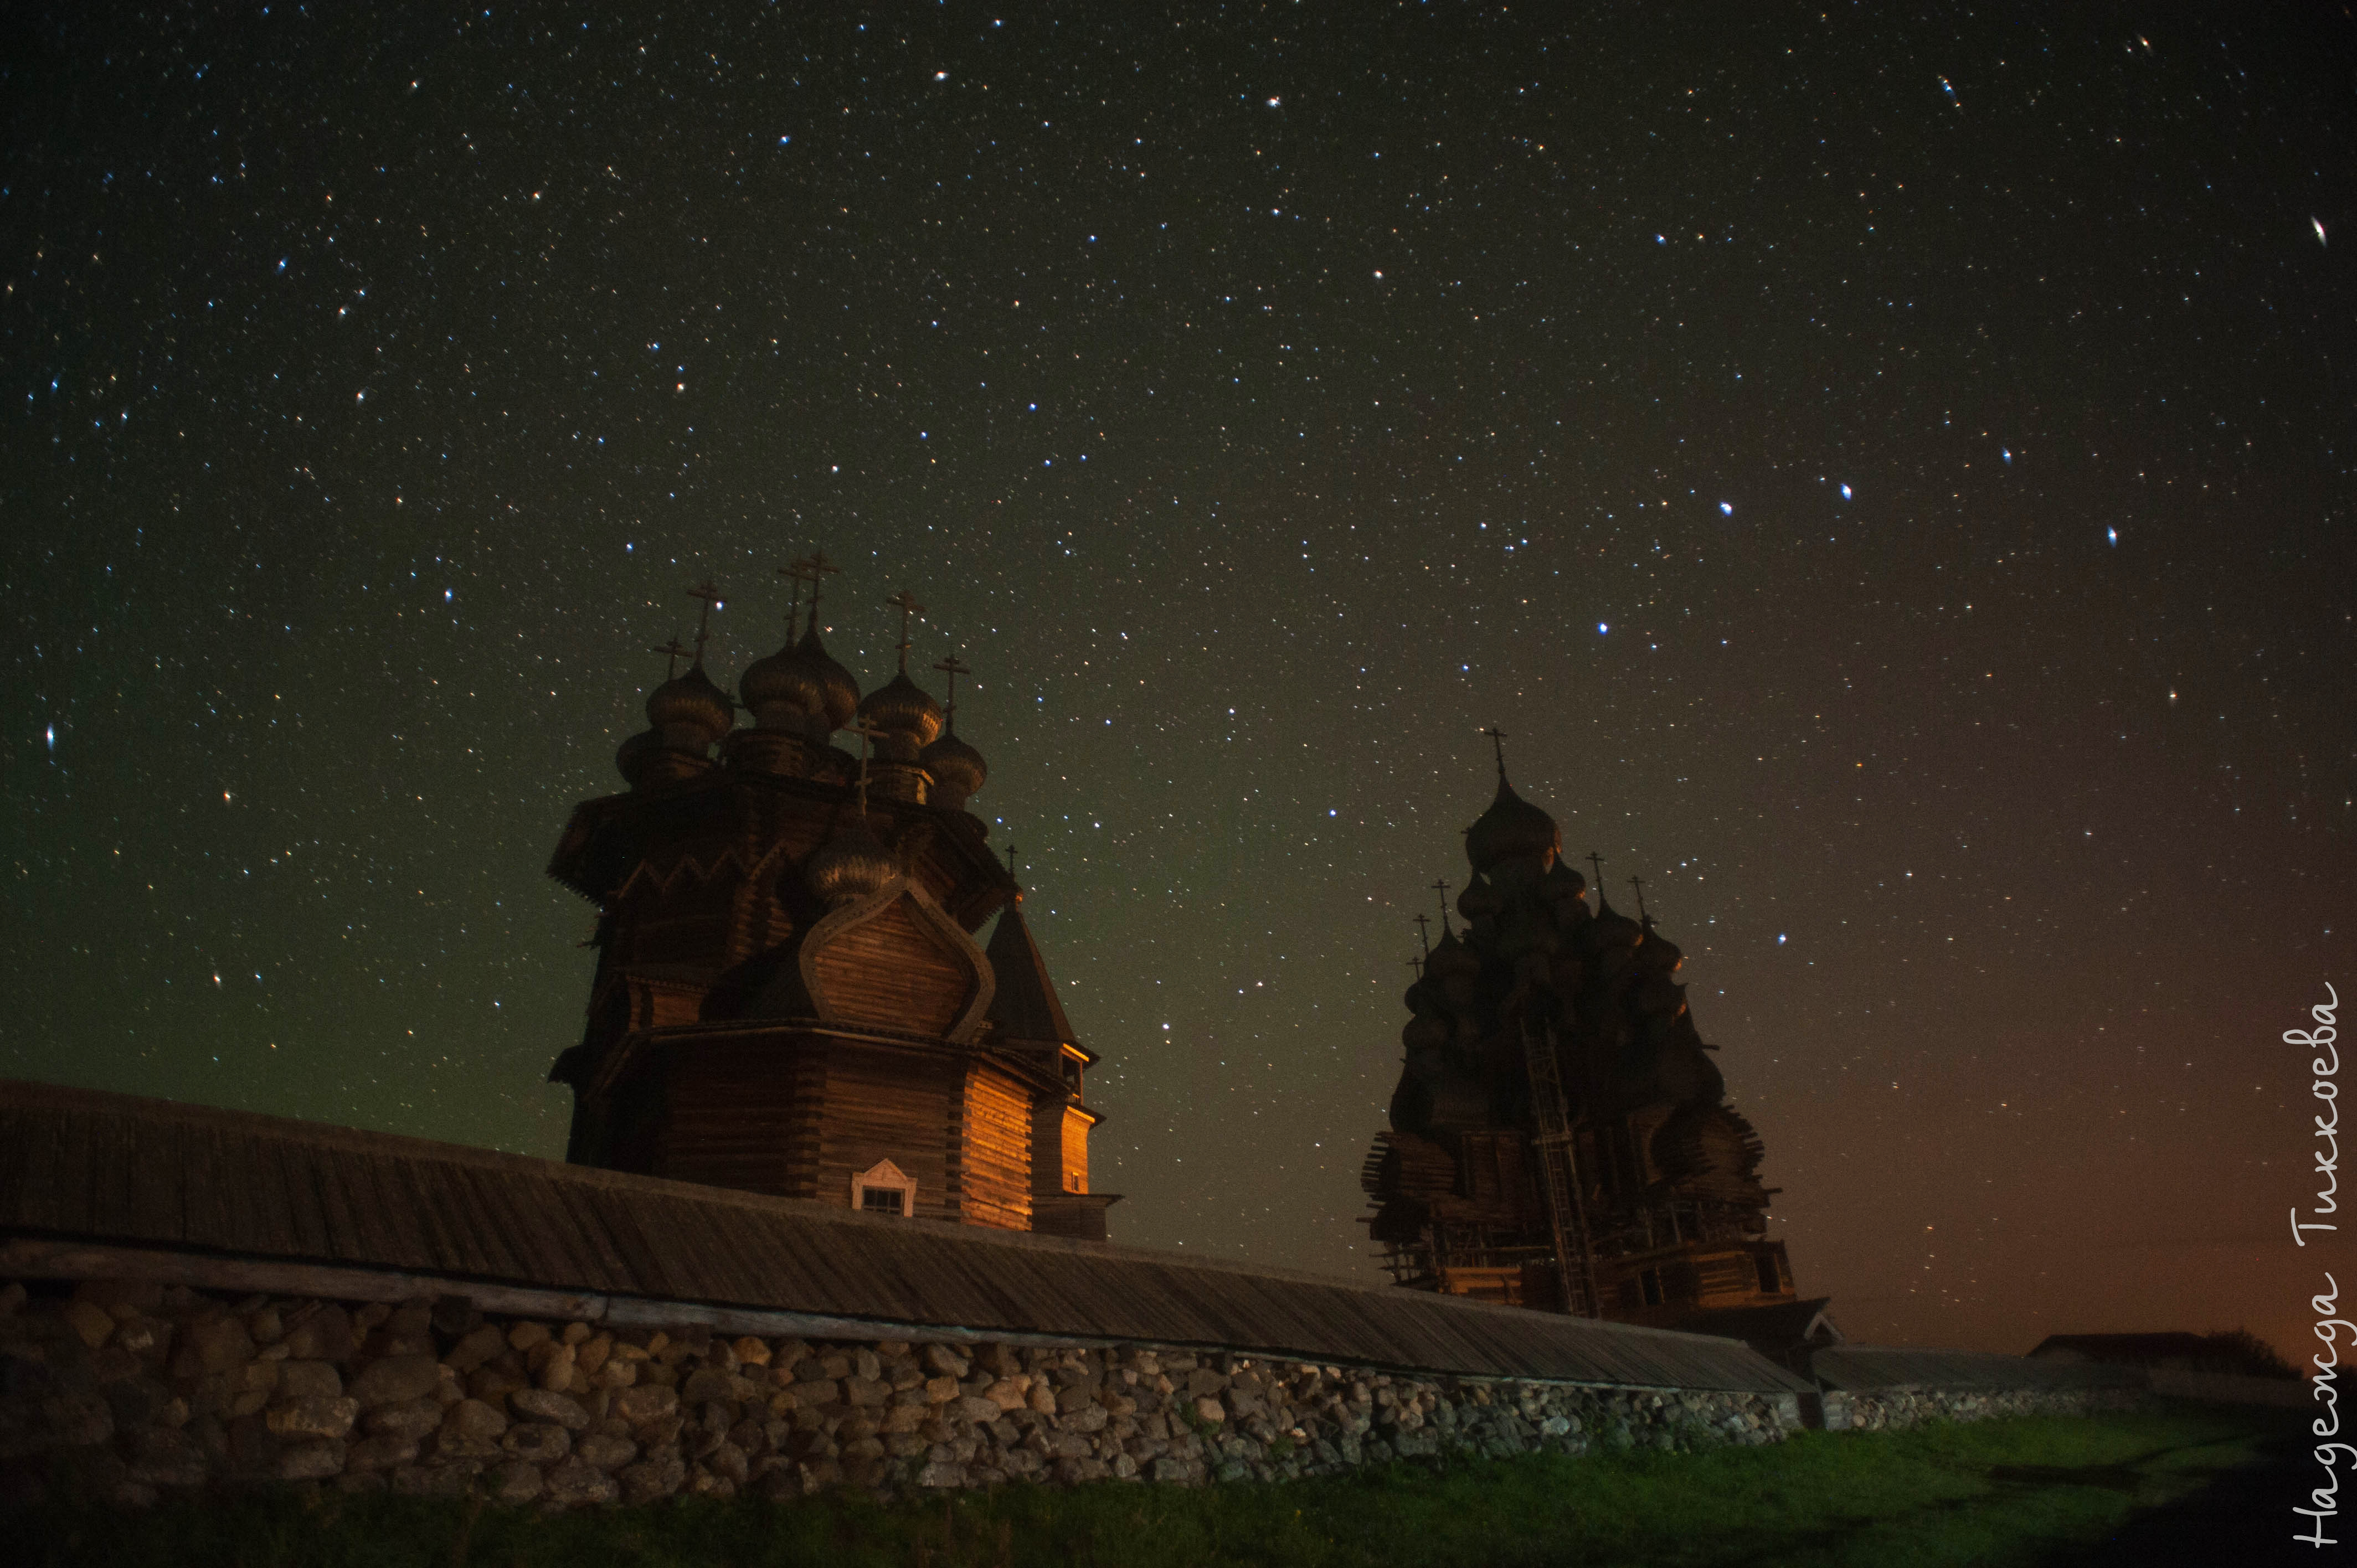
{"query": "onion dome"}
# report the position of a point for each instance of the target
(689, 712)
(1451, 959)
(800, 679)
(841, 690)
(1479, 901)
(956, 768)
(1424, 1032)
(778, 686)
(1512, 829)
(1565, 883)
(1612, 928)
(849, 865)
(903, 710)
(631, 760)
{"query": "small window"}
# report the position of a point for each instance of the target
(1769, 1282)
(884, 1188)
(1650, 1281)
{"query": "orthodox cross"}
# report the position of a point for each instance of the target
(1498, 740)
(795, 604)
(1597, 861)
(677, 652)
(1423, 934)
(1639, 884)
(814, 568)
(906, 603)
(1443, 888)
(1414, 964)
(711, 597)
(1011, 852)
(952, 667)
(867, 733)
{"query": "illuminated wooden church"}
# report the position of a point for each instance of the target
(1559, 1136)
(789, 995)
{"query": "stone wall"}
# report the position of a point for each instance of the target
(1890, 1409)
(129, 1393)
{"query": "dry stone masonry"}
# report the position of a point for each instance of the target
(129, 1393)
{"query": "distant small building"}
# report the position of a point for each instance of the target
(789, 997)
(2182, 1350)
(1560, 1137)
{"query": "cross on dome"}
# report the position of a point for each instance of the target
(812, 569)
(710, 595)
(951, 667)
(1498, 740)
(906, 603)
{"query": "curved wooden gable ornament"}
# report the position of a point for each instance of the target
(896, 960)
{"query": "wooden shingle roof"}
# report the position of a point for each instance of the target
(87, 1177)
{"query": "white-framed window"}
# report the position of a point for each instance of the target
(884, 1188)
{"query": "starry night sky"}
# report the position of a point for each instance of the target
(1888, 474)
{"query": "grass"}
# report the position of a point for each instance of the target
(1991, 1493)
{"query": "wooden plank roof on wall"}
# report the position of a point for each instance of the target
(80, 1166)
(1868, 1369)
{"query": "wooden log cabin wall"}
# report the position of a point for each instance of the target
(788, 994)
(1560, 1137)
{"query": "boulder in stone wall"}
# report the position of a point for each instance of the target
(163, 1456)
(314, 1461)
(542, 1404)
(412, 1418)
(309, 1380)
(313, 1417)
(537, 1441)
(474, 1418)
(324, 1334)
(651, 1479)
(515, 1483)
(479, 1346)
(217, 1343)
(644, 1403)
(92, 1322)
(395, 1380)
(606, 1451)
(447, 1479)
(385, 1451)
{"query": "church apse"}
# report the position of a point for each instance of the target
(1560, 1137)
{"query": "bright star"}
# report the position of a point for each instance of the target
(2318, 224)
(1844, 492)
(1727, 509)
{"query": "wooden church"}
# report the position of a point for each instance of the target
(789, 995)
(1560, 1137)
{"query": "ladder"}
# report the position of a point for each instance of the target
(1558, 1175)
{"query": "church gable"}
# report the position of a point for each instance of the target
(895, 960)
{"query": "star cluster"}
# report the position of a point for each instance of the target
(1882, 472)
